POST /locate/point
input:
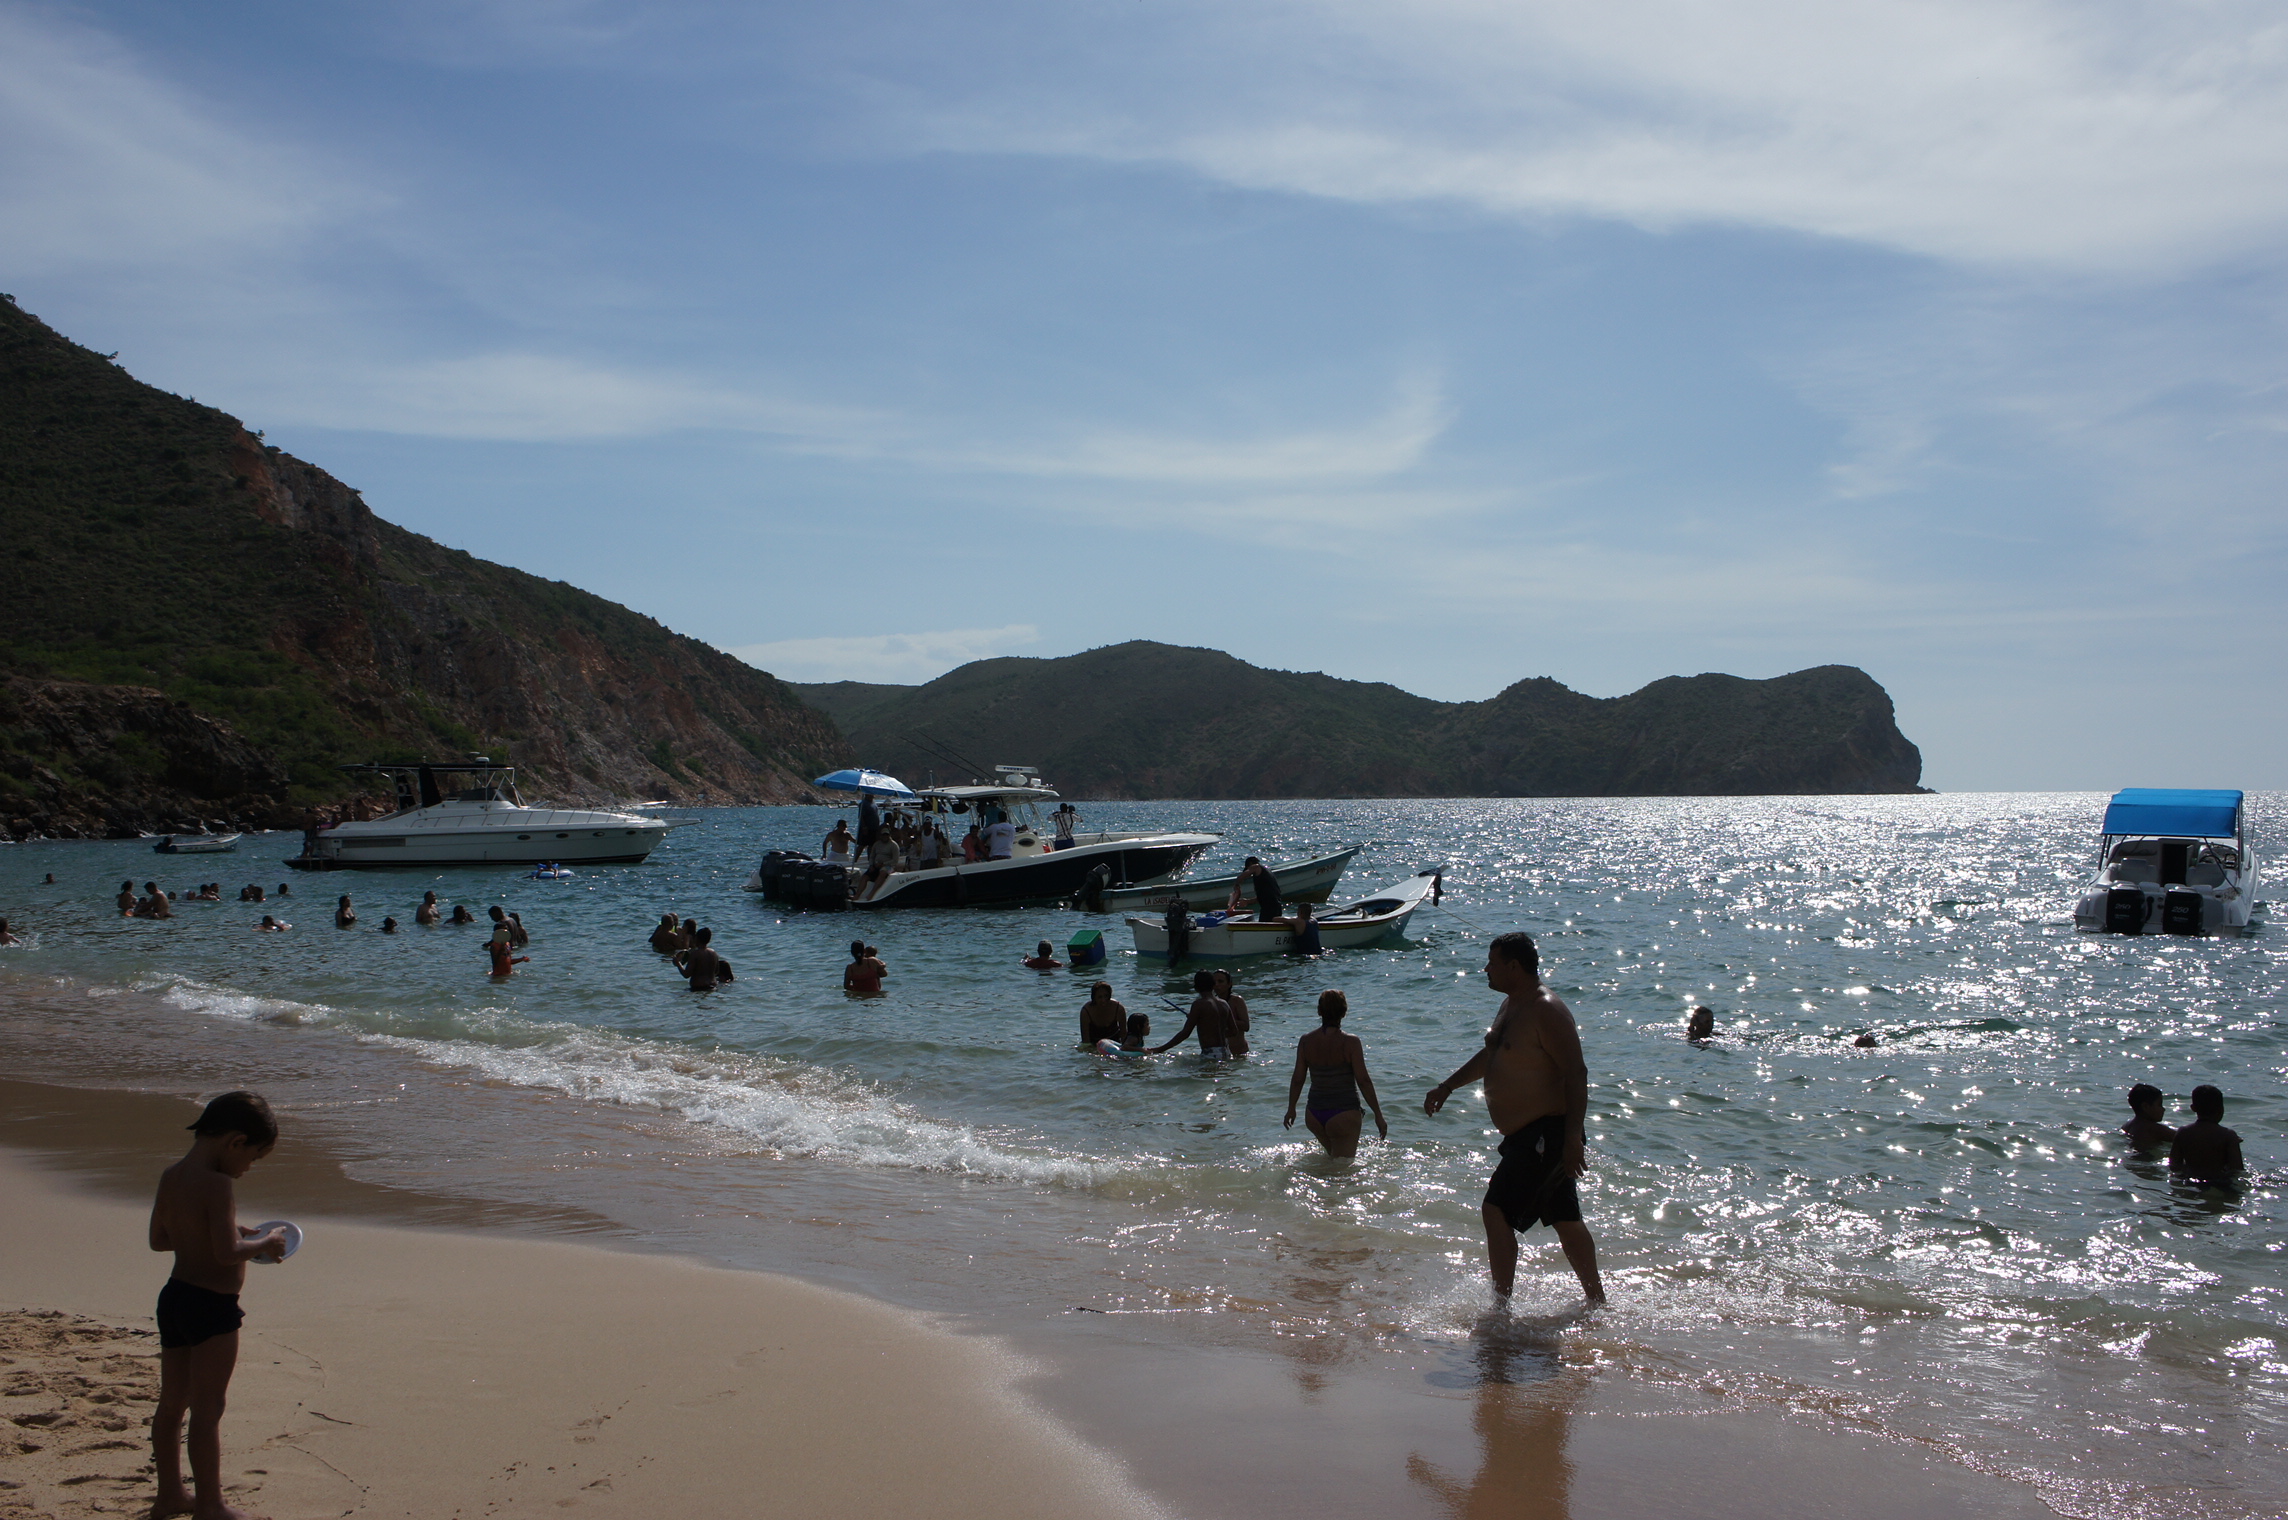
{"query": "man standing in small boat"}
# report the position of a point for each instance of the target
(1537, 1094)
(1269, 904)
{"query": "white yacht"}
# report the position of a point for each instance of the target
(2171, 861)
(482, 822)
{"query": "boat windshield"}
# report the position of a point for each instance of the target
(479, 794)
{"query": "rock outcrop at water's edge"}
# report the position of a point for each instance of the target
(116, 761)
(156, 551)
(1144, 720)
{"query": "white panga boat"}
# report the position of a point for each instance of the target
(1353, 926)
(485, 822)
(197, 844)
(2171, 861)
(1310, 880)
(1040, 868)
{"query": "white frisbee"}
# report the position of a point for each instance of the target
(293, 1238)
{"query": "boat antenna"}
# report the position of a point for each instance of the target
(932, 751)
(948, 754)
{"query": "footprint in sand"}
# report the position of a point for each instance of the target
(70, 1390)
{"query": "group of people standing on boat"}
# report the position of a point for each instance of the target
(903, 839)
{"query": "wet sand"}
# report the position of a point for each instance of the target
(430, 1356)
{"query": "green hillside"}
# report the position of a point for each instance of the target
(156, 543)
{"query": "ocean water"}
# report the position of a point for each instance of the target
(1941, 1237)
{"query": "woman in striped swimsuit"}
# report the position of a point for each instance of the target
(1336, 1064)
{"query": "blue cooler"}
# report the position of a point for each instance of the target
(1086, 947)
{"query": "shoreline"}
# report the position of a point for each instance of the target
(445, 1334)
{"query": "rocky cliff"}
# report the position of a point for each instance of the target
(1152, 720)
(156, 544)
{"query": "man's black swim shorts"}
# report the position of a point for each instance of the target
(189, 1314)
(1531, 1186)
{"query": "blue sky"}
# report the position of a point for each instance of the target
(1443, 344)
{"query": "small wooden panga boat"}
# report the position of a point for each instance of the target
(1353, 926)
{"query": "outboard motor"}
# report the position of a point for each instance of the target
(2181, 912)
(776, 871)
(2125, 911)
(1090, 898)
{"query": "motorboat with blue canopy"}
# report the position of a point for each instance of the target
(2171, 860)
(2161, 811)
(1036, 858)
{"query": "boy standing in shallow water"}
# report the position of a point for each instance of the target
(196, 1216)
(2205, 1152)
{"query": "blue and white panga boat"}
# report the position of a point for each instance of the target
(2171, 861)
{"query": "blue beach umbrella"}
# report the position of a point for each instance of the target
(868, 783)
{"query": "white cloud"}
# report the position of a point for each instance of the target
(1385, 445)
(891, 658)
(526, 397)
(2114, 138)
(103, 164)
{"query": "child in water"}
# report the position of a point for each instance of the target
(2146, 1129)
(1139, 1030)
(498, 948)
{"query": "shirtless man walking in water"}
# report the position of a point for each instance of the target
(1537, 1093)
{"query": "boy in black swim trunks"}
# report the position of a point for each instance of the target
(1537, 1094)
(196, 1216)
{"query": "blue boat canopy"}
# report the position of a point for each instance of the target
(2168, 810)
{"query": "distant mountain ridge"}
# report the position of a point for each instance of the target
(172, 588)
(1146, 720)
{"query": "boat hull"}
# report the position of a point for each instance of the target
(1383, 916)
(616, 844)
(2143, 908)
(1305, 881)
(1047, 877)
(222, 845)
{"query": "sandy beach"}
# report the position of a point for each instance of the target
(419, 1372)
(459, 1362)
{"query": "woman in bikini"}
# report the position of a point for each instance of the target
(1336, 1064)
(863, 976)
(1102, 1018)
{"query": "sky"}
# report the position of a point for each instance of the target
(1446, 344)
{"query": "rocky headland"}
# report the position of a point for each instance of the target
(1141, 720)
